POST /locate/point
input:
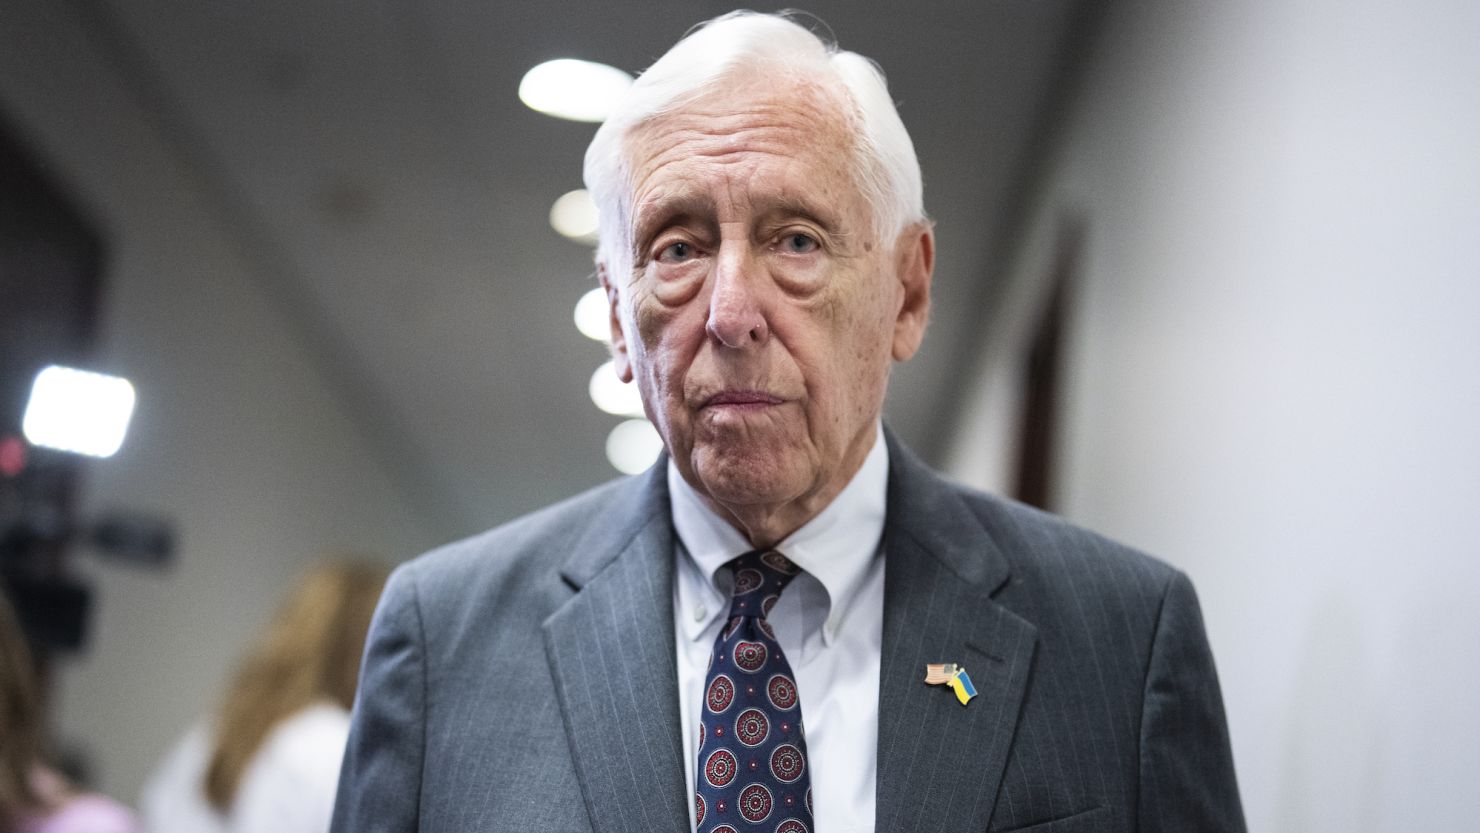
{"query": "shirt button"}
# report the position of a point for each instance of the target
(700, 613)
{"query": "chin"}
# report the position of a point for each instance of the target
(738, 477)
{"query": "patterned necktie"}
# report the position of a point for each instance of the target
(752, 772)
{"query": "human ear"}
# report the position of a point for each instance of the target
(914, 265)
(620, 358)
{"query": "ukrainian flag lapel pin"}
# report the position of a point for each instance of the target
(953, 675)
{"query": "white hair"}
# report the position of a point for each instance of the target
(884, 164)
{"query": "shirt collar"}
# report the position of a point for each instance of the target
(836, 547)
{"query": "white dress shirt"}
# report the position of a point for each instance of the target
(829, 622)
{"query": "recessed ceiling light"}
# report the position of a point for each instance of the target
(613, 395)
(593, 316)
(78, 411)
(568, 88)
(633, 446)
(574, 215)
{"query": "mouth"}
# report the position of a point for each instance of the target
(741, 400)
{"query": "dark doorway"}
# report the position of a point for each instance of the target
(1038, 444)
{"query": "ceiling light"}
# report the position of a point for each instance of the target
(77, 411)
(613, 395)
(593, 316)
(574, 215)
(633, 446)
(577, 90)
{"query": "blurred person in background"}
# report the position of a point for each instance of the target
(268, 761)
(33, 797)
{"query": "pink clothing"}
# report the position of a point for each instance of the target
(83, 814)
(79, 813)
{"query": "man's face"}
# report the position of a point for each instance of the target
(761, 312)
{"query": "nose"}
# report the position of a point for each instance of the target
(737, 317)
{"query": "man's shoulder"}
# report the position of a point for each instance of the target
(525, 549)
(1045, 551)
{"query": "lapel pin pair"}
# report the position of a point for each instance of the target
(953, 675)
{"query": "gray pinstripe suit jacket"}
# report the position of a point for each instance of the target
(524, 679)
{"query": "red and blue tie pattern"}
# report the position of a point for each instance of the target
(752, 773)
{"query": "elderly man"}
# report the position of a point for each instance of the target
(789, 624)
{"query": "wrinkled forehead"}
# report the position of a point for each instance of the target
(738, 122)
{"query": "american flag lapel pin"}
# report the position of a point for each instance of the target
(939, 673)
(953, 675)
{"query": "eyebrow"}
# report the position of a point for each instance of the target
(789, 205)
(654, 215)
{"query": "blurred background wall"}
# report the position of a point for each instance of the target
(330, 277)
(1270, 375)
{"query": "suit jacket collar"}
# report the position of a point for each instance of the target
(611, 653)
(928, 510)
(938, 759)
(640, 509)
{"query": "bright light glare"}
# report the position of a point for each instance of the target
(571, 89)
(78, 411)
(574, 215)
(613, 395)
(593, 316)
(633, 446)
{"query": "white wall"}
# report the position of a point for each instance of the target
(1274, 376)
(240, 436)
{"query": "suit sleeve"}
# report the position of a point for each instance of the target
(1187, 778)
(380, 780)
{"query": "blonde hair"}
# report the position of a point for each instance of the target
(20, 720)
(310, 653)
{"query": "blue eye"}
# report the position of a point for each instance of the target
(799, 244)
(676, 252)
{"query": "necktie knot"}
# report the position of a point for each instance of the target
(760, 576)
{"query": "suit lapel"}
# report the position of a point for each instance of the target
(939, 760)
(611, 651)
